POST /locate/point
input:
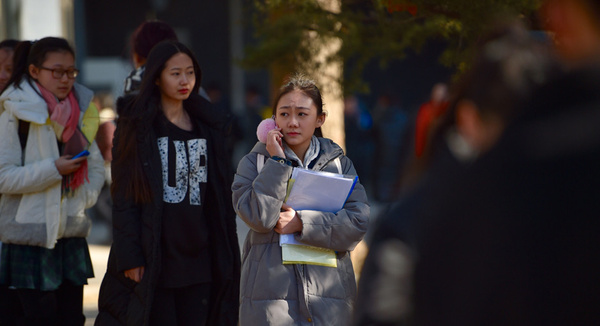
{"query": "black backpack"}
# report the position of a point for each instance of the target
(23, 132)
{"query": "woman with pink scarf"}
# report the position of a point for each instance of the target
(45, 121)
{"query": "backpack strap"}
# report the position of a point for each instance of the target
(260, 162)
(23, 133)
(338, 165)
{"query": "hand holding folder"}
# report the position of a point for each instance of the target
(314, 190)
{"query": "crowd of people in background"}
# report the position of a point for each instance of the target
(490, 190)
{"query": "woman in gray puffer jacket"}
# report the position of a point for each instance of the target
(300, 294)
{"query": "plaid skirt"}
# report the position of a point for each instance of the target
(38, 268)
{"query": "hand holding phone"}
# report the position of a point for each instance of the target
(85, 152)
(65, 166)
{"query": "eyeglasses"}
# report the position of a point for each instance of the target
(59, 73)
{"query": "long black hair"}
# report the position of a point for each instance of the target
(9, 44)
(134, 124)
(35, 53)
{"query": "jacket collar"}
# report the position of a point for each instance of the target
(313, 151)
(329, 150)
(26, 103)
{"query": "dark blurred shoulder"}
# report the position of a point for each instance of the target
(200, 108)
(124, 104)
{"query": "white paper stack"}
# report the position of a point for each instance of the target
(320, 191)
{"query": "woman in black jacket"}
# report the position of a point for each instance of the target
(175, 256)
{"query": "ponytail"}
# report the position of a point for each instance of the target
(34, 53)
(19, 63)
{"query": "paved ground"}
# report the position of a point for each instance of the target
(99, 255)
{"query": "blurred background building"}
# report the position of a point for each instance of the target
(100, 31)
(218, 32)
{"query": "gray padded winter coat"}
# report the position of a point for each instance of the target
(275, 294)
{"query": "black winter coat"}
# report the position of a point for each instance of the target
(137, 229)
(512, 239)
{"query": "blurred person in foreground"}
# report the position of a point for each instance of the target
(508, 67)
(514, 240)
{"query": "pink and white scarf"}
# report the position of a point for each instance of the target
(64, 116)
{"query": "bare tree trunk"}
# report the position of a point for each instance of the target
(328, 78)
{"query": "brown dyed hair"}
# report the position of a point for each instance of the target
(148, 34)
(307, 86)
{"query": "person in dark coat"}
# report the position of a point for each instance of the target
(509, 66)
(175, 257)
(515, 240)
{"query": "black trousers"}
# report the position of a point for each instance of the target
(181, 306)
(9, 306)
(62, 307)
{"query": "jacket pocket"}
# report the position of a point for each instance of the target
(32, 209)
(15, 232)
(326, 282)
(347, 275)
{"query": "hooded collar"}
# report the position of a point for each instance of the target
(312, 153)
(27, 104)
(328, 151)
